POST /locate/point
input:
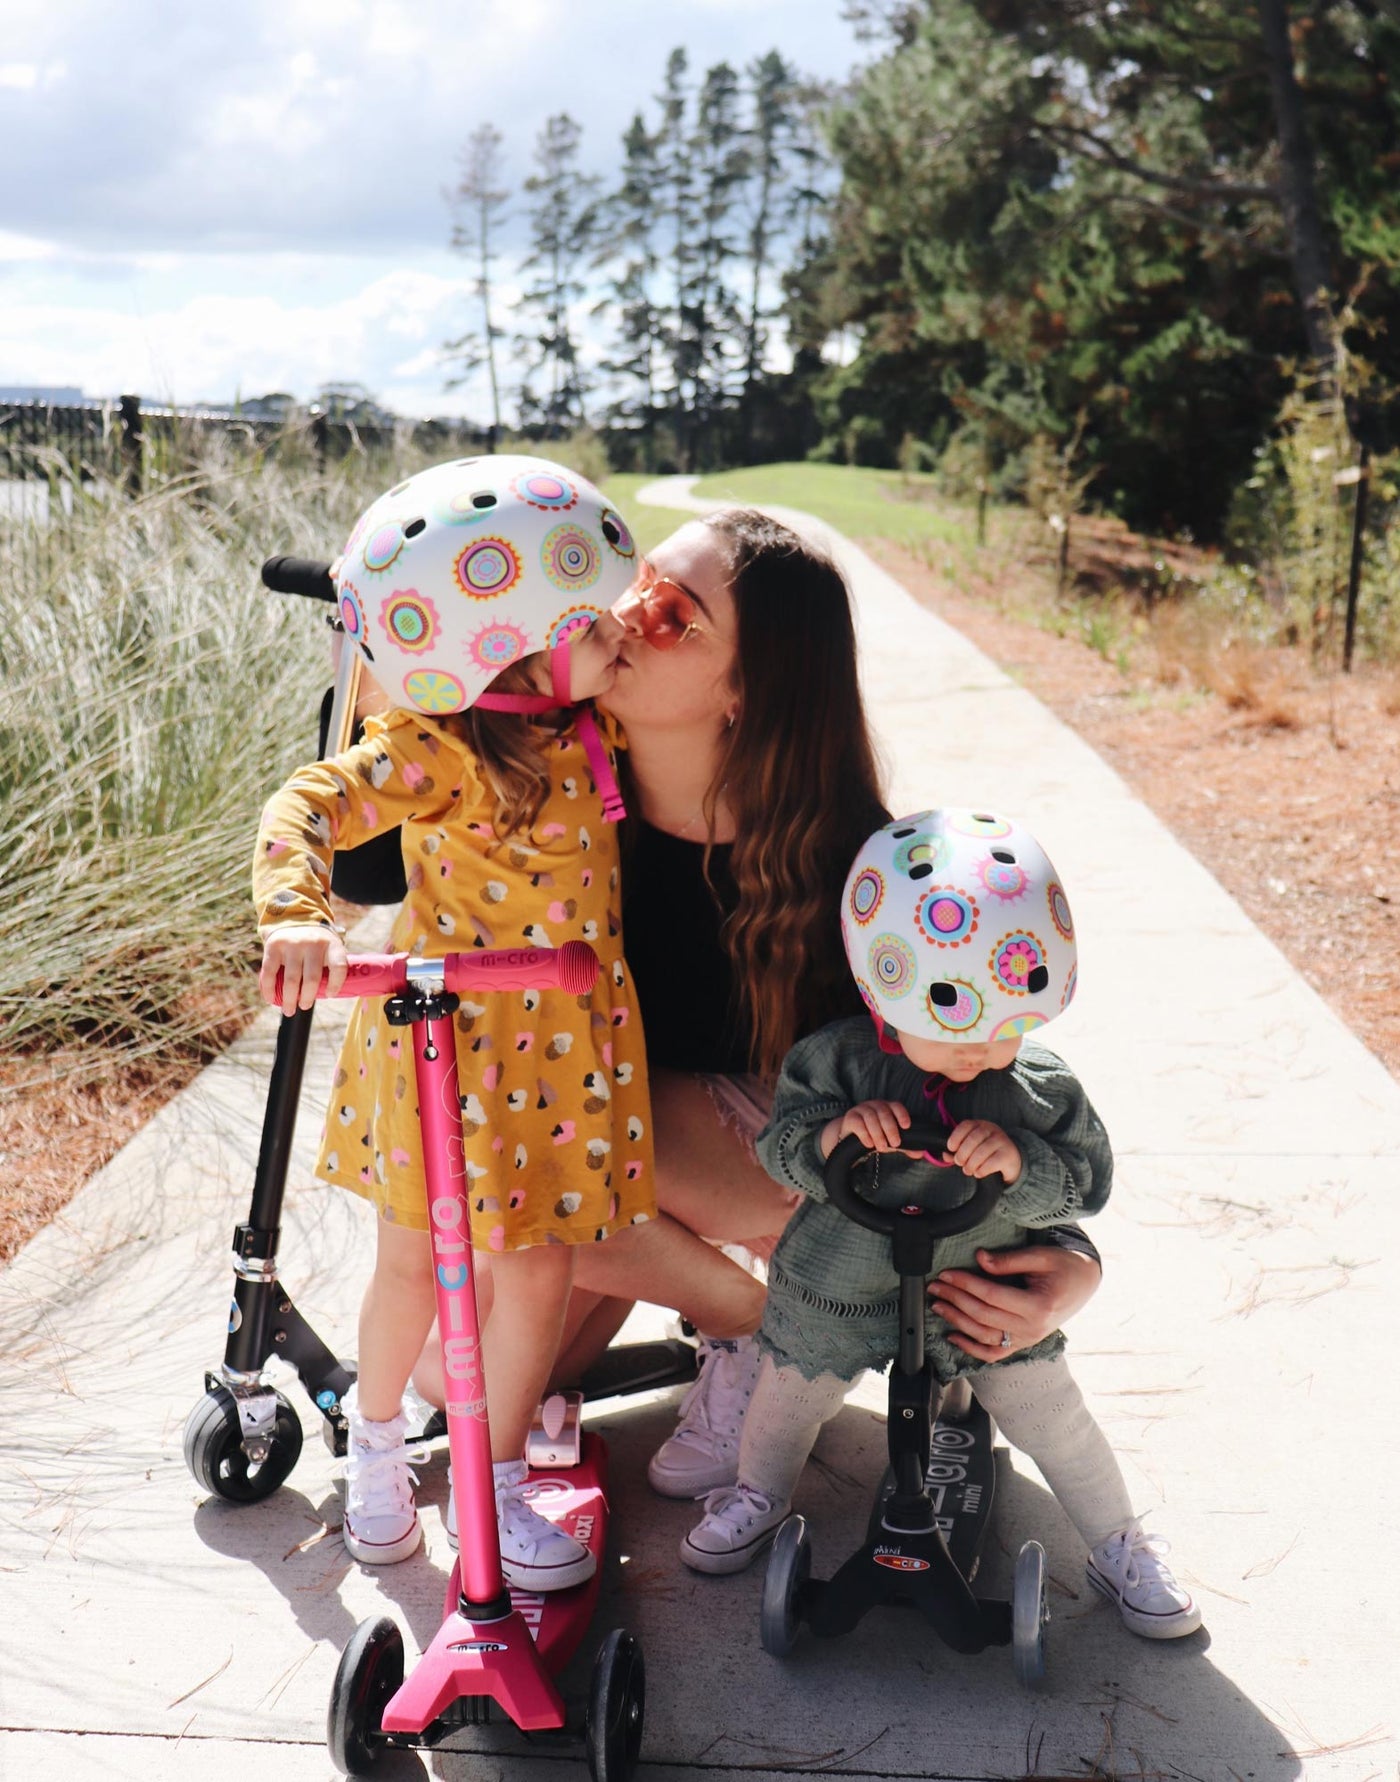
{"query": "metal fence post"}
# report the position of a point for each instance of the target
(130, 407)
(1358, 545)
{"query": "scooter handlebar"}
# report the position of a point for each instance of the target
(844, 1196)
(299, 575)
(572, 967)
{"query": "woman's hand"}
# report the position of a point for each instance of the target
(301, 952)
(980, 1313)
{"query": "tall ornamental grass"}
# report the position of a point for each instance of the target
(152, 694)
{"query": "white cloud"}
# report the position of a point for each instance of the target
(211, 346)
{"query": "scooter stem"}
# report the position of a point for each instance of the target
(468, 1431)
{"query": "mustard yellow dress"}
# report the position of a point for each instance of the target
(555, 1116)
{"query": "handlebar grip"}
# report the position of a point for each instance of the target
(921, 1137)
(572, 968)
(299, 575)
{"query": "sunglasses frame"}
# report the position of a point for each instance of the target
(643, 597)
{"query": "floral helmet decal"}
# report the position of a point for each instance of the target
(472, 565)
(957, 928)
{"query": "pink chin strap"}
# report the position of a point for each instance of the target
(601, 767)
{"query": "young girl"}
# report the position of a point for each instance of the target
(960, 938)
(488, 572)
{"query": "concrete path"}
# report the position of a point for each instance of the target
(1239, 1354)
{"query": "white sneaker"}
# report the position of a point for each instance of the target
(738, 1524)
(535, 1554)
(380, 1525)
(703, 1454)
(1130, 1569)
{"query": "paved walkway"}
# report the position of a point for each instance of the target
(1234, 1353)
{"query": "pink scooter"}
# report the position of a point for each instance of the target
(495, 1643)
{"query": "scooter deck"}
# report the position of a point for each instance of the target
(961, 1480)
(472, 1659)
(576, 1498)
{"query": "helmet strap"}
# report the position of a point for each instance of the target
(559, 678)
(885, 1034)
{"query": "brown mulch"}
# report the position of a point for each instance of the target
(1283, 783)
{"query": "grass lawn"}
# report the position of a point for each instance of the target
(649, 524)
(860, 503)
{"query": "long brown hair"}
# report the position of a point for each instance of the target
(510, 751)
(800, 775)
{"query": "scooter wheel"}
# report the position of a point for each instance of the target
(369, 1674)
(214, 1449)
(616, 1708)
(1029, 1613)
(789, 1568)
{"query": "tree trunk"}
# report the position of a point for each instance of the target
(1298, 185)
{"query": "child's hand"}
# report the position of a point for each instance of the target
(981, 1149)
(301, 952)
(878, 1124)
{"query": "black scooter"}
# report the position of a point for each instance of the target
(243, 1437)
(930, 1516)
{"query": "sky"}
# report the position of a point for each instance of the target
(204, 201)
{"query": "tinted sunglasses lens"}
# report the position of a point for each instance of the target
(668, 613)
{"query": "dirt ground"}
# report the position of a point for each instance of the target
(1284, 784)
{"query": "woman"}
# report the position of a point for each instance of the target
(752, 783)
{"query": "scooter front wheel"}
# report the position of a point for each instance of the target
(215, 1455)
(1029, 1614)
(789, 1568)
(616, 1708)
(368, 1676)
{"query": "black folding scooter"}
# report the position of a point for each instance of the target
(243, 1437)
(925, 1534)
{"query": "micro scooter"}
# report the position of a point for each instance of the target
(242, 1438)
(926, 1529)
(494, 1643)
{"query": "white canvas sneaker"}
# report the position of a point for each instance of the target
(703, 1454)
(1130, 1569)
(535, 1553)
(380, 1525)
(738, 1524)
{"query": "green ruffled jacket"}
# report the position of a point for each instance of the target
(833, 1302)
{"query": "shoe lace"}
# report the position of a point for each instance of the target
(1142, 1559)
(382, 1477)
(710, 1406)
(522, 1522)
(735, 1506)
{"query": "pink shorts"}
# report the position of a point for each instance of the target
(744, 1104)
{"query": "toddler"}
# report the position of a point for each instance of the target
(960, 938)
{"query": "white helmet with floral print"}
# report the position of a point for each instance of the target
(957, 928)
(472, 565)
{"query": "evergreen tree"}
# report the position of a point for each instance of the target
(478, 207)
(711, 323)
(1066, 205)
(563, 225)
(629, 231)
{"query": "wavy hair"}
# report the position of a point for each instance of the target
(800, 775)
(511, 751)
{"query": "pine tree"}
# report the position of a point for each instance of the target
(629, 232)
(563, 225)
(712, 326)
(478, 207)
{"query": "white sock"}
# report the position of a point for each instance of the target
(784, 1419)
(1041, 1411)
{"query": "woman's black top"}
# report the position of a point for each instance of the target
(680, 970)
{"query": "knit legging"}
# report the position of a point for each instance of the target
(1036, 1404)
